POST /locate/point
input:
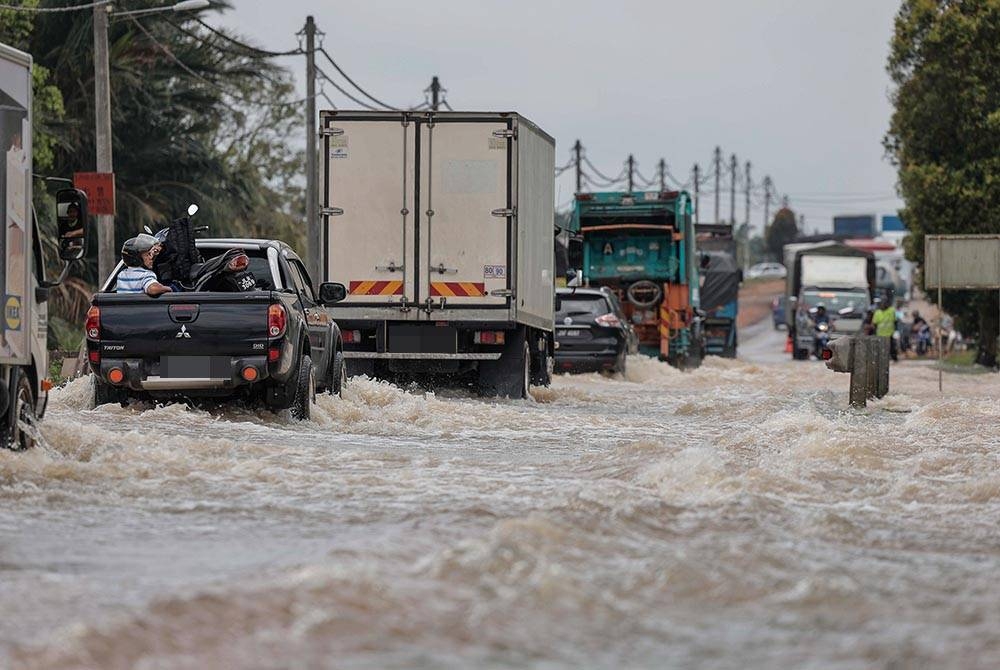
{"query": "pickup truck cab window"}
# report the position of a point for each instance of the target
(300, 278)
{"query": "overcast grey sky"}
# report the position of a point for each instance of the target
(797, 87)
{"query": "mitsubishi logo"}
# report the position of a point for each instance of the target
(183, 332)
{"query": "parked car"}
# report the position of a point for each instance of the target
(767, 271)
(778, 312)
(592, 333)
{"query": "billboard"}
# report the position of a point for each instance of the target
(962, 261)
(854, 225)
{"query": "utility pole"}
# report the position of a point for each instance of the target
(732, 190)
(313, 232)
(577, 151)
(631, 171)
(106, 256)
(767, 202)
(663, 175)
(697, 186)
(435, 93)
(718, 171)
(749, 185)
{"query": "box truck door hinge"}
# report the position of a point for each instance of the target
(502, 293)
(391, 267)
(505, 133)
(511, 211)
(442, 270)
(330, 211)
(330, 132)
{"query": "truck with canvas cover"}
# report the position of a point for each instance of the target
(23, 288)
(642, 246)
(836, 275)
(441, 226)
(720, 287)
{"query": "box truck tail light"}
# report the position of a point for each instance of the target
(277, 320)
(93, 325)
(489, 337)
(351, 336)
(584, 196)
(609, 320)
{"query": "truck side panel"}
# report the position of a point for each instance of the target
(535, 251)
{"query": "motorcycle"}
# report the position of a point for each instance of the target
(181, 266)
(821, 338)
(923, 339)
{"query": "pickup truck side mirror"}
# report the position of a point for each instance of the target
(331, 292)
(71, 219)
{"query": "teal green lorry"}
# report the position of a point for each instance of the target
(642, 246)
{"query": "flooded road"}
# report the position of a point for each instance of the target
(735, 516)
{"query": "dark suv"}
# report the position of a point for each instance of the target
(592, 333)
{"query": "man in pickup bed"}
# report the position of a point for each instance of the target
(138, 254)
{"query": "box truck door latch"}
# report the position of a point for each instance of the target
(429, 304)
(442, 270)
(504, 212)
(330, 132)
(331, 211)
(391, 267)
(505, 133)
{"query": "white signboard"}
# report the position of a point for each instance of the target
(962, 261)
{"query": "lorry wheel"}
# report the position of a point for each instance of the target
(305, 390)
(510, 376)
(106, 394)
(22, 424)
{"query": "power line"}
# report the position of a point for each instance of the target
(354, 83)
(51, 10)
(252, 49)
(598, 172)
(343, 92)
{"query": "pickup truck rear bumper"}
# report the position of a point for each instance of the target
(145, 375)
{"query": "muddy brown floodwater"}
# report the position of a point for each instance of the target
(737, 516)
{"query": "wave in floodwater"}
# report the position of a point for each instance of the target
(732, 516)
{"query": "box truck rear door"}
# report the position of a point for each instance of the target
(466, 218)
(369, 207)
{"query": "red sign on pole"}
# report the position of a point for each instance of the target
(100, 190)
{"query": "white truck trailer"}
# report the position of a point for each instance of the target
(24, 329)
(441, 226)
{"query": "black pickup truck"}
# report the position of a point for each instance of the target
(274, 344)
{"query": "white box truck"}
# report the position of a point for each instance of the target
(441, 226)
(24, 355)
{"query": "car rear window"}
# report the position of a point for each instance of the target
(579, 305)
(259, 265)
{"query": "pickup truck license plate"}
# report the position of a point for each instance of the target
(195, 367)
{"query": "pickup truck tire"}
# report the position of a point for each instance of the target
(106, 394)
(305, 390)
(338, 375)
(20, 420)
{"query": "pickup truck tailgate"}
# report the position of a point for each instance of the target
(195, 324)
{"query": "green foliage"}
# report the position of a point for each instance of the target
(944, 136)
(783, 229)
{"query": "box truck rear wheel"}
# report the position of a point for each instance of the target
(21, 426)
(510, 375)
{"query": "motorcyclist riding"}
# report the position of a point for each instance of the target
(821, 330)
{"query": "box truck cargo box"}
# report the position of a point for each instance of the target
(441, 226)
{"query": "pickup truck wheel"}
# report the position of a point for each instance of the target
(22, 424)
(305, 390)
(338, 375)
(106, 394)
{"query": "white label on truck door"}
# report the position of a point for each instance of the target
(338, 152)
(494, 271)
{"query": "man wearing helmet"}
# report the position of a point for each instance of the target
(138, 277)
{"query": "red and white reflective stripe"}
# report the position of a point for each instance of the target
(376, 287)
(458, 289)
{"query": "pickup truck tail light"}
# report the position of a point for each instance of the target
(93, 325)
(277, 320)
(609, 320)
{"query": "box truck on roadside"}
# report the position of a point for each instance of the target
(24, 291)
(441, 226)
